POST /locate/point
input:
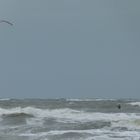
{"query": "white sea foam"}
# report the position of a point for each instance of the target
(95, 99)
(61, 132)
(135, 103)
(129, 120)
(71, 114)
(78, 100)
(5, 99)
(98, 134)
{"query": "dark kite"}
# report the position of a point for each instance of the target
(5, 21)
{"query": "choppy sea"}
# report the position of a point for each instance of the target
(69, 119)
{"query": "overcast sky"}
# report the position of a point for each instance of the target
(70, 49)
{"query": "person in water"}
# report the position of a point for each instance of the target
(119, 106)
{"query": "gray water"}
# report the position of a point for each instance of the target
(69, 119)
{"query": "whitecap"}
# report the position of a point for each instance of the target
(67, 115)
(98, 134)
(134, 103)
(92, 99)
(5, 99)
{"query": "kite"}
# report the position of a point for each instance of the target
(5, 21)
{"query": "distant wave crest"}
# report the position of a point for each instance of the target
(5, 99)
(135, 103)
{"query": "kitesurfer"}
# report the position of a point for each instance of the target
(119, 106)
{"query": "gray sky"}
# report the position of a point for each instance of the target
(70, 49)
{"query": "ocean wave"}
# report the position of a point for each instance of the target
(95, 99)
(18, 111)
(61, 132)
(85, 135)
(5, 99)
(17, 115)
(64, 123)
(134, 103)
(68, 115)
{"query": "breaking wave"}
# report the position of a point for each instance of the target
(5, 99)
(94, 99)
(34, 115)
(69, 119)
(134, 103)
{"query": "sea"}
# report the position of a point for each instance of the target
(69, 119)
